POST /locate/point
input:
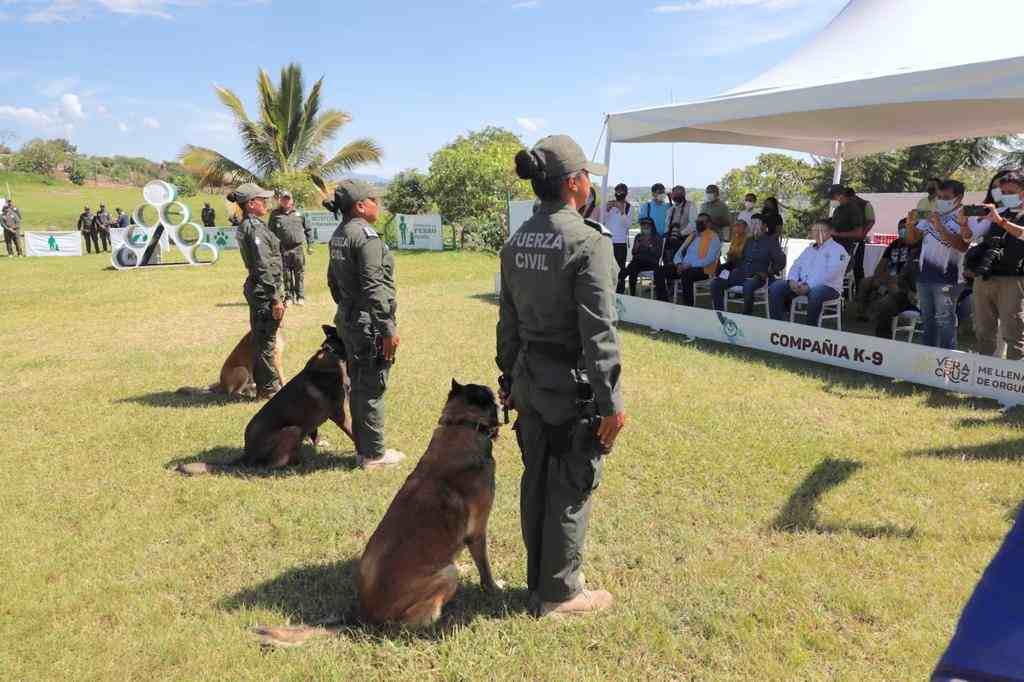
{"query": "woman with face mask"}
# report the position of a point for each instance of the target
(617, 218)
(647, 248)
(998, 292)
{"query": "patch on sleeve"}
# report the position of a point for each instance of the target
(370, 232)
(598, 226)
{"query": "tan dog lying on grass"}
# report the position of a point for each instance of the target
(236, 377)
(407, 573)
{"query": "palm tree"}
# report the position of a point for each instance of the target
(288, 137)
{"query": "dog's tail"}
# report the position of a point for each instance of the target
(297, 636)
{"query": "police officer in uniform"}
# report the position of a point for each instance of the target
(85, 226)
(209, 215)
(290, 227)
(264, 287)
(361, 277)
(101, 226)
(10, 222)
(558, 347)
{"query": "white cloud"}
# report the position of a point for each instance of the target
(122, 126)
(151, 122)
(58, 87)
(62, 11)
(526, 4)
(102, 110)
(702, 5)
(71, 107)
(530, 124)
(27, 115)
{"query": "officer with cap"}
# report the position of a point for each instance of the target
(264, 287)
(101, 226)
(209, 216)
(361, 277)
(558, 347)
(290, 227)
(85, 226)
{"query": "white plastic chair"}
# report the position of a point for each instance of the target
(645, 279)
(907, 322)
(735, 295)
(830, 310)
(701, 289)
(848, 286)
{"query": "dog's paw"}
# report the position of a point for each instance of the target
(495, 587)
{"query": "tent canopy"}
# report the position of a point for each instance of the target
(883, 74)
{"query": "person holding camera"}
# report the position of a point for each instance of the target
(942, 249)
(361, 277)
(264, 285)
(997, 263)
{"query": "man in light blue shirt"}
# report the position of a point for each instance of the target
(657, 209)
(696, 261)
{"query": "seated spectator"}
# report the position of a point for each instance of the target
(646, 254)
(734, 257)
(749, 208)
(942, 247)
(817, 274)
(716, 210)
(695, 262)
(898, 297)
(657, 209)
(763, 258)
(893, 260)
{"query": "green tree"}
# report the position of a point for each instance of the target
(43, 156)
(187, 184)
(76, 174)
(471, 179)
(288, 137)
(407, 193)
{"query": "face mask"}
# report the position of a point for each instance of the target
(902, 232)
(701, 226)
(659, 198)
(1010, 200)
(945, 205)
(756, 228)
(711, 196)
(748, 205)
(678, 198)
(997, 195)
(834, 204)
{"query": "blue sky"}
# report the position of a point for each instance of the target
(135, 77)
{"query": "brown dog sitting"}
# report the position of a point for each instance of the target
(318, 393)
(407, 573)
(236, 376)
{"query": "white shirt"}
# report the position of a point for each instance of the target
(745, 215)
(617, 223)
(688, 219)
(823, 265)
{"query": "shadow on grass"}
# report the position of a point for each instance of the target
(838, 381)
(1008, 450)
(1011, 417)
(486, 298)
(800, 514)
(325, 594)
(178, 400)
(310, 461)
(239, 304)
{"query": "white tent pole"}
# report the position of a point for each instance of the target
(608, 172)
(837, 177)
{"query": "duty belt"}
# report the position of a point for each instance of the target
(554, 351)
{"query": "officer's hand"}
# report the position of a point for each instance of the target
(277, 310)
(609, 429)
(505, 399)
(389, 344)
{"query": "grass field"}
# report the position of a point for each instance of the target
(52, 203)
(760, 518)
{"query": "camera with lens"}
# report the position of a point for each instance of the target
(982, 258)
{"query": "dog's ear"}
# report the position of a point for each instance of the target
(456, 389)
(329, 331)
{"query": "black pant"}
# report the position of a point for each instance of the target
(687, 278)
(104, 239)
(855, 247)
(91, 242)
(620, 251)
(888, 307)
(635, 267)
(12, 238)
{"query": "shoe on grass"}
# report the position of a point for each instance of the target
(390, 458)
(300, 301)
(587, 601)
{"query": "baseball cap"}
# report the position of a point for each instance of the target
(349, 192)
(834, 190)
(248, 191)
(559, 155)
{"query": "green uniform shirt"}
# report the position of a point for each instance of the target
(11, 220)
(558, 277)
(361, 276)
(85, 222)
(718, 211)
(261, 253)
(290, 227)
(101, 220)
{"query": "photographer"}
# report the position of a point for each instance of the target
(939, 274)
(998, 266)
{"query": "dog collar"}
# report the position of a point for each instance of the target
(482, 429)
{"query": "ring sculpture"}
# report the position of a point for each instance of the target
(143, 238)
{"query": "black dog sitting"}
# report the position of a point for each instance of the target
(318, 393)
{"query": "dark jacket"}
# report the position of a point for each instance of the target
(763, 256)
(261, 253)
(361, 277)
(647, 248)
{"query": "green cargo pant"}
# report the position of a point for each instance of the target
(294, 261)
(264, 336)
(369, 379)
(562, 468)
